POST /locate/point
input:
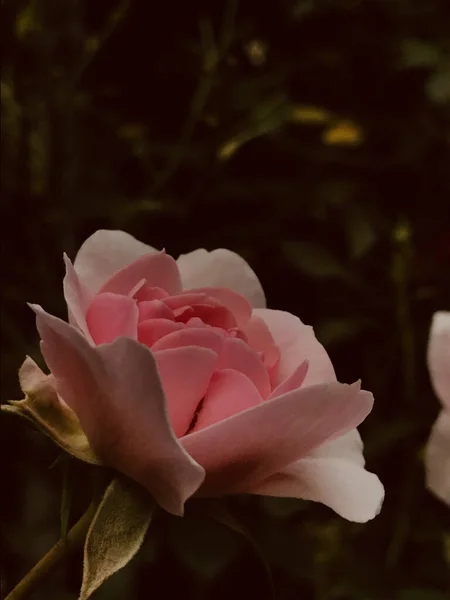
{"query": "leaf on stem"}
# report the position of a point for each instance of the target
(116, 533)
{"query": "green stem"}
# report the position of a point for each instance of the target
(54, 556)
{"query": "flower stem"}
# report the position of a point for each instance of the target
(60, 550)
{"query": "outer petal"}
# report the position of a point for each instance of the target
(185, 374)
(437, 458)
(229, 393)
(111, 316)
(297, 343)
(439, 356)
(116, 393)
(104, 253)
(347, 488)
(77, 298)
(258, 442)
(158, 269)
(220, 268)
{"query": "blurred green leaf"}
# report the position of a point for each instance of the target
(192, 539)
(360, 230)
(315, 261)
(422, 594)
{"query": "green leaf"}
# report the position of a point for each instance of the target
(116, 533)
(315, 261)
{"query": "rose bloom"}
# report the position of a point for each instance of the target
(180, 378)
(437, 454)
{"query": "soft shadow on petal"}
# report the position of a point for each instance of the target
(437, 458)
(104, 253)
(439, 356)
(297, 343)
(220, 268)
(347, 488)
(263, 440)
(185, 374)
(116, 393)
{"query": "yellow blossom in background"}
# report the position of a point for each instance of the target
(343, 133)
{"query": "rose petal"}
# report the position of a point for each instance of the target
(229, 393)
(77, 298)
(261, 340)
(203, 337)
(437, 458)
(158, 269)
(154, 309)
(183, 300)
(293, 382)
(185, 375)
(348, 489)
(258, 442)
(238, 355)
(439, 356)
(104, 253)
(297, 343)
(237, 304)
(110, 316)
(149, 332)
(116, 393)
(220, 268)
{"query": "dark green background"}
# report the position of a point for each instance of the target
(310, 136)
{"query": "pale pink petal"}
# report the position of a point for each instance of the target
(149, 332)
(158, 269)
(187, 336)
(347, 488)
(154, 309)
(261, 340)
(111, 316)
(104, 253)
(348, 446)
(258, 442)
(228, 393)
(439, 356)
(116, 393)
(236, 354)
(297, 343)
(293, 382)
(185, 375)
(77, 298)
(237, 304)
(437, 458)
(220, 268)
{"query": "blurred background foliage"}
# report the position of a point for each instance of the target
(310, 136)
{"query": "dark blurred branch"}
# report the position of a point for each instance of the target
(213, 54)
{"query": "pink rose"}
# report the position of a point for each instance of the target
(184, 381)
(437, 455)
